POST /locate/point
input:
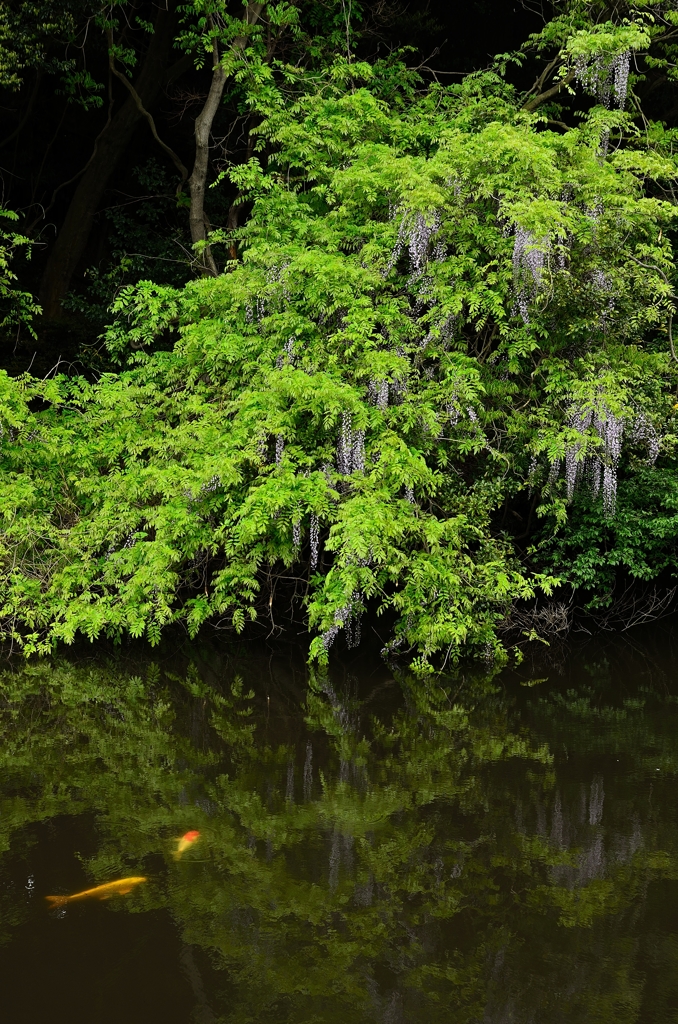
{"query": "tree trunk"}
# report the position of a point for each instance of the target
(198, 178)
(203, 129)
(75, 231)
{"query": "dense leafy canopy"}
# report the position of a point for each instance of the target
(435, 377)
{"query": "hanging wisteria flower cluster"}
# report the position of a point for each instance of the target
(453, 411)
(378, 392)
(288, 352)
(212, 485)
(445, 332)
(350, 447)
(603, 284)
(447, 329)
(599, 470)
(314, 539)
(397, 391)
(643, 432)
(603, 81)
(348, 618)
(255, 313)
(417, 231)
(611, 429)
(276, 275)
(529, 257)
(279, 449)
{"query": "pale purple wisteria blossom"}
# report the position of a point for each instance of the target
(554, 470)
(349, 618)
(620, 67)
(276, 275)
(330, 634)
(397, 390)
(314, 539)
(378, 392)
(345, 445)
(255, 313)
(453, 411)
(580, 420)
(358, 451)
(531, 470)
(350, 447)
(611, 430)
(603, 81)
(353, 625)
(419, 238)
(600, 470)
(529, 257)
(643, 432)
(287, 355)
(212, 484)
(417, 230)
(279, 449)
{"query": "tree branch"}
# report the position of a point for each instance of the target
(543, 97)
(142, 110)
(539, 84)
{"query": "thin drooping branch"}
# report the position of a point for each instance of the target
(203, 130)
(142, 110)
(543, 97)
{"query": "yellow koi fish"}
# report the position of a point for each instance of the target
(185, 842)
(101, 892)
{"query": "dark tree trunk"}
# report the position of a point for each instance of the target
(75, 231)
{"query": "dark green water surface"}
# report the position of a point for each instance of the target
(487, 849)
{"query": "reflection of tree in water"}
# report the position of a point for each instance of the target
(421, 862)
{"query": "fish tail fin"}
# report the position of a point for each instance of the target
(56, 901)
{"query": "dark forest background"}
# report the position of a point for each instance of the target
(97, 194)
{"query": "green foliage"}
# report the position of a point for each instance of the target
(27, 31)
(17, 307)
(638, 543)
(442, 308)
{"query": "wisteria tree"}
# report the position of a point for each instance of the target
(445, 345)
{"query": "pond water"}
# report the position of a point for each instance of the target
(489, 848)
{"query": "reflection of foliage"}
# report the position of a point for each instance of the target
(414, 864)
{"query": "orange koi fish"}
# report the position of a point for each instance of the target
(185, 843)
(101, 892)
